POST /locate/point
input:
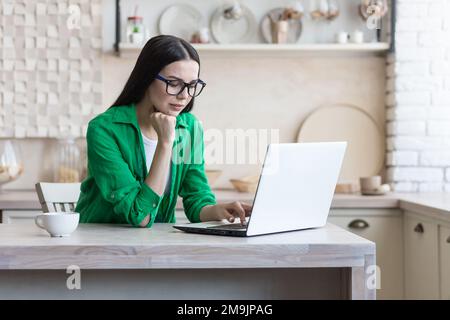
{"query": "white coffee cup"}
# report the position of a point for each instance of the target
(370, 184)
(342, 37)
(58, 224)
(358, 36)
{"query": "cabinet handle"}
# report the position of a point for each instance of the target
(448, 239)
(358, 224)
(419, 228)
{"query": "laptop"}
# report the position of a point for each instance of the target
(294, 192)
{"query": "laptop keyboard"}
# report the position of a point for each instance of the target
(229, 226)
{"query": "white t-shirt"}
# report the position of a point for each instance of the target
(150, 149)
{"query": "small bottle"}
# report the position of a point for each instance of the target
(68, 161)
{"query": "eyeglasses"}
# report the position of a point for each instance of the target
(176, 86)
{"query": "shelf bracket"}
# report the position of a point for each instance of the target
(393, 21)
(116, 43)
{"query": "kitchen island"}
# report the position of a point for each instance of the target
(121, 262)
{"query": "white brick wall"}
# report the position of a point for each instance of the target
(406, 127)
(405, 186)
(431, 187)
(45, 58)
(416, 174)
(402, 158)
(418, 98)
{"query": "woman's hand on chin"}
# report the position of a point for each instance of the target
(164, 126)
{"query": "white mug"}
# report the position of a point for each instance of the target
(58, 224)
(358, 36)
(370, 183)
(342, 37)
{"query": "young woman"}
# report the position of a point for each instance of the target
(148, 148)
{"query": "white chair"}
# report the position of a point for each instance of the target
(58, 197)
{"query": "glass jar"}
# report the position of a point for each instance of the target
(324, 9)
(135, 30)
(68, 161)
(11, 165)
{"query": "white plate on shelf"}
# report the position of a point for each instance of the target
(366, 145)
(181, 20)
(233, 31)
(295, 27)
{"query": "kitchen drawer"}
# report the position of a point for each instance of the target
(421, 258)
(387, 233)
(444, 249)
(19, 216)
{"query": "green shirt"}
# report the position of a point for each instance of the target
(114, 190)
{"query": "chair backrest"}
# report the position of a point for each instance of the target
(58, 197)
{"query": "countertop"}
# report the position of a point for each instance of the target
(19, 200)
(94, 246)
(436, 205)
(28, 200)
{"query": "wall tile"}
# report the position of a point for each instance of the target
(43, 60)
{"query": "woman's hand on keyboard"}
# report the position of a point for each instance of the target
(228, 211)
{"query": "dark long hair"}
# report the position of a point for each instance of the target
(157, 53)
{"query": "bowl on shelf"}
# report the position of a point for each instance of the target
(245, 184)
(212, 176)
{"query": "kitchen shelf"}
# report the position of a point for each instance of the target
(127, 50)
(279, 50)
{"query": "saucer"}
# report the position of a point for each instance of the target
(373, 192)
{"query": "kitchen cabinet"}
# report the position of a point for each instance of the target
(385, 228)
(19, 216)
(444, 249)
(421, 257)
